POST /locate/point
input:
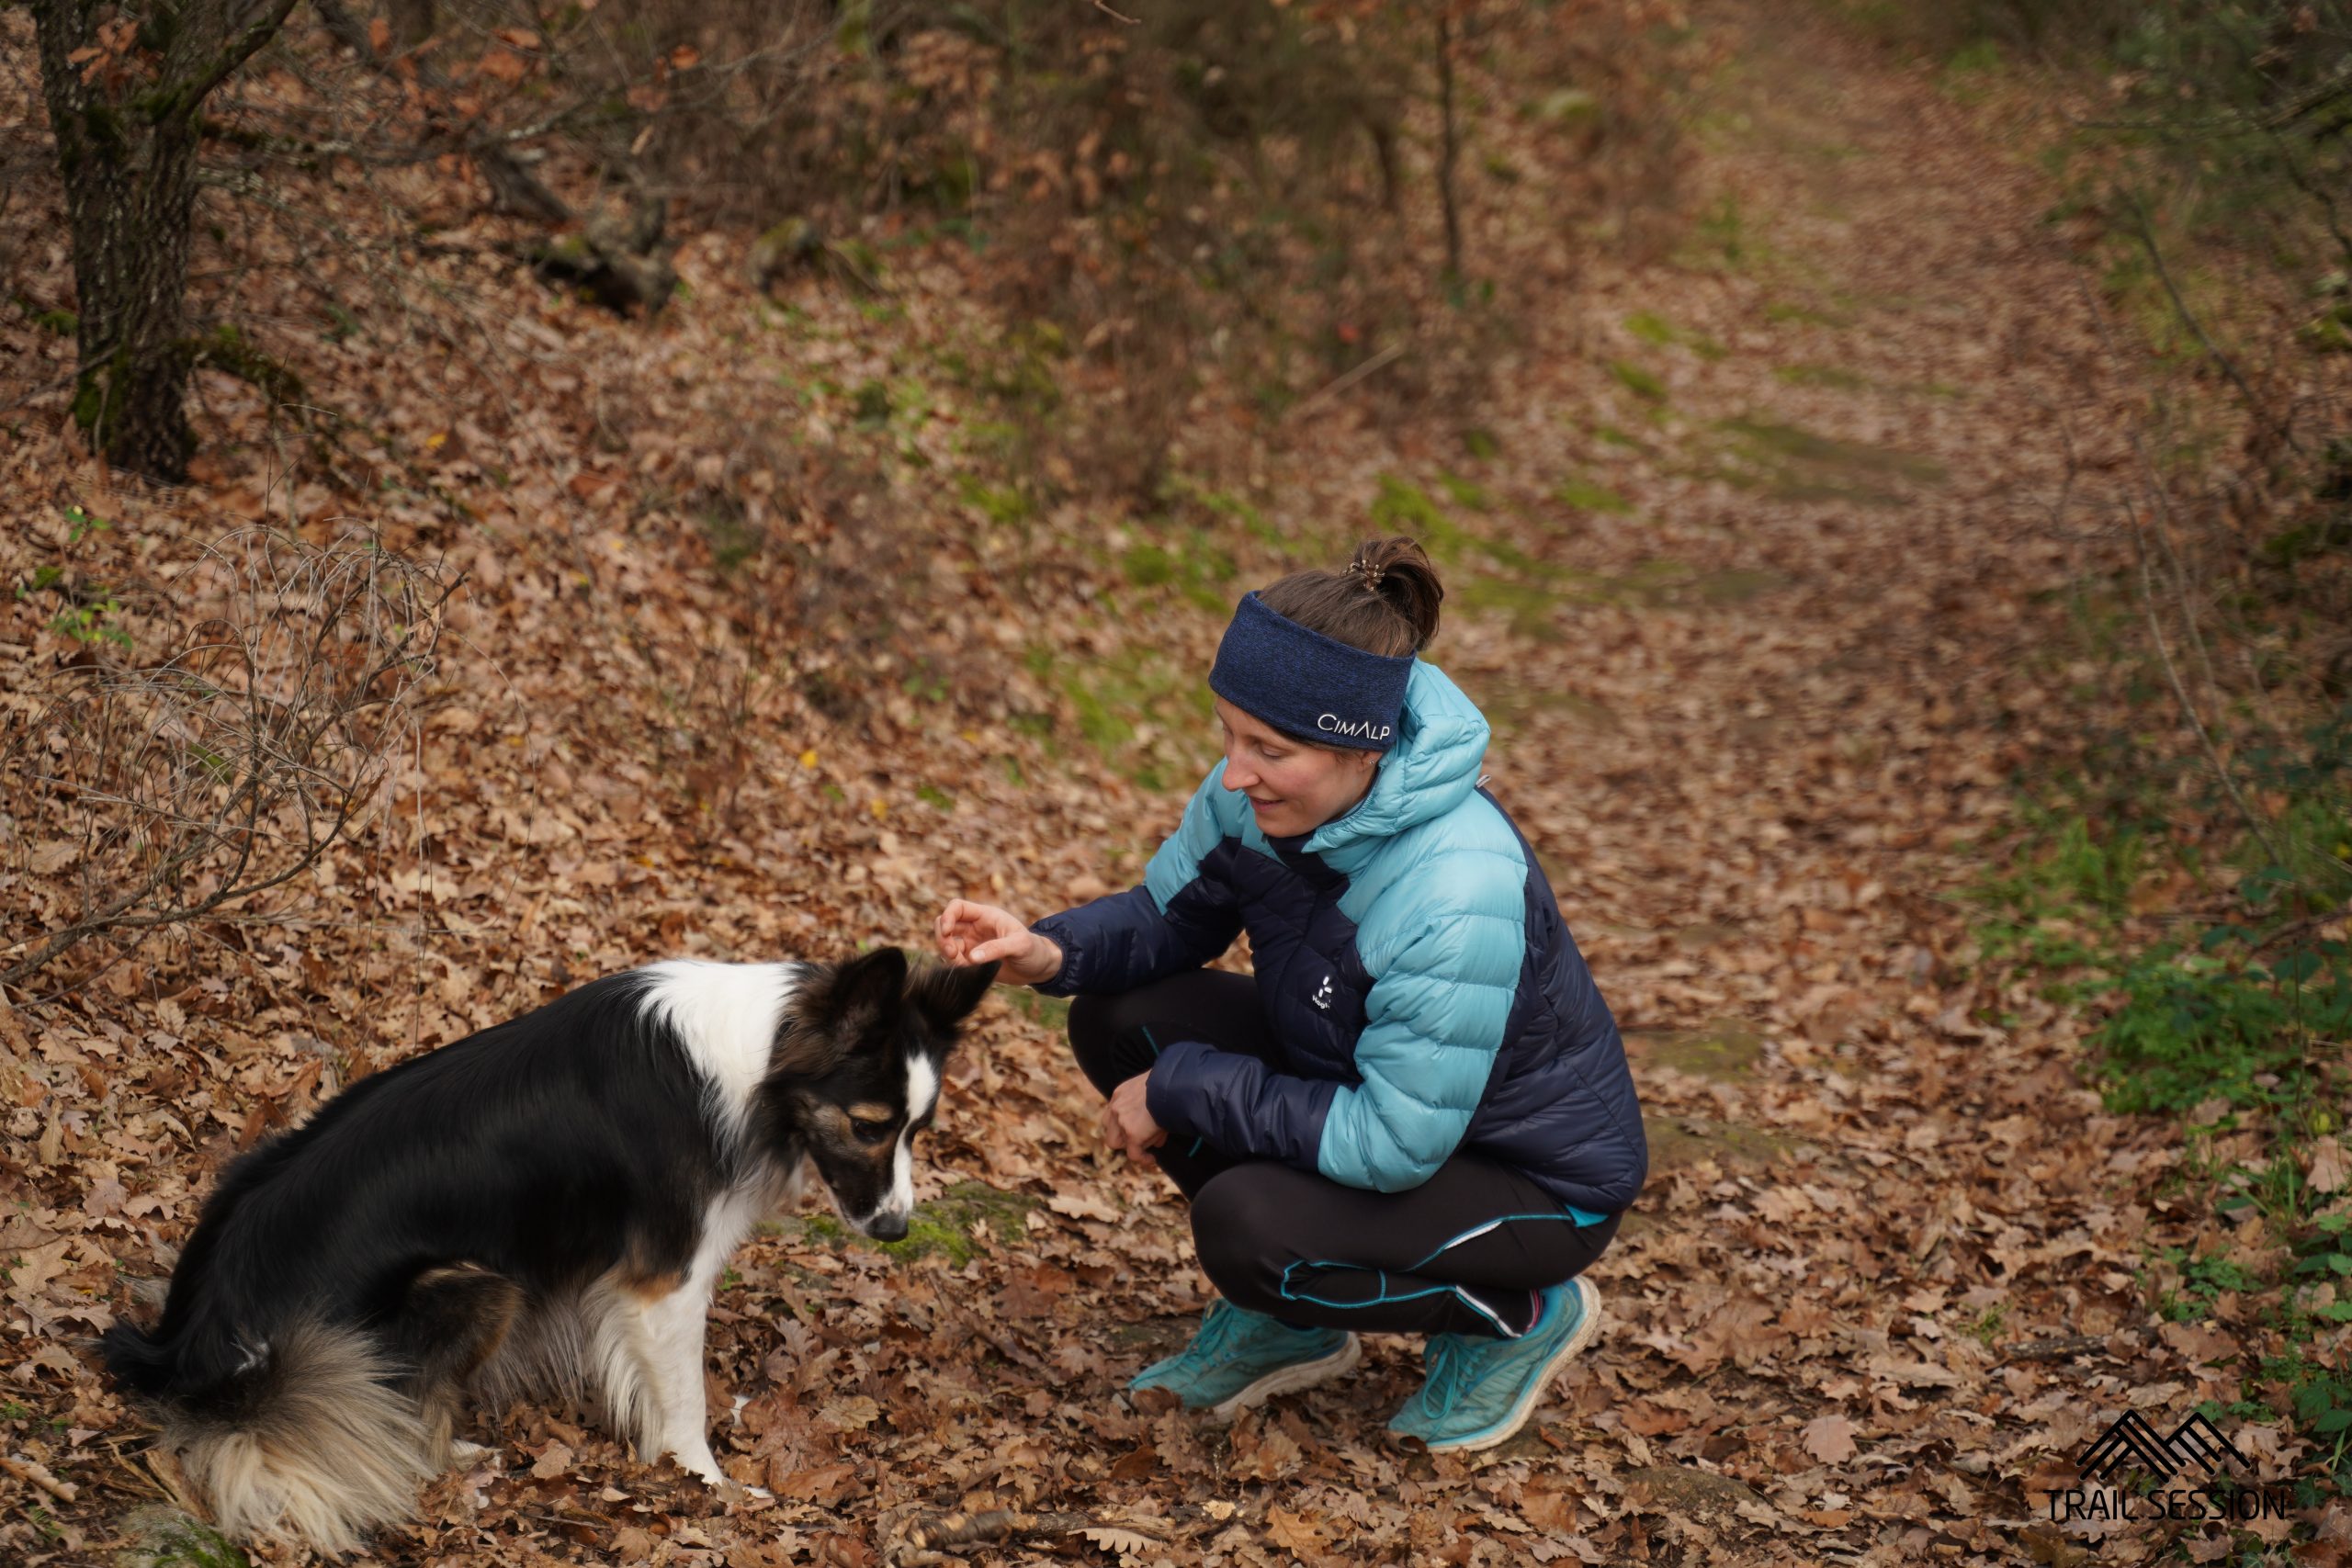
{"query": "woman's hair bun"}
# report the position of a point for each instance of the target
(1384, 601)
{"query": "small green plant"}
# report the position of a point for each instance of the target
(91, 623)
(1987, 1327)
(2194, 1026)
(925, 683)
(85, 523)
(1003, 505)
(2202, 1281)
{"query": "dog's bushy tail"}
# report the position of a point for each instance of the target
(309, 1437)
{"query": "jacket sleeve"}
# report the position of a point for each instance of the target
(1237, 1104)
(1436, 1014)
(1181, 916)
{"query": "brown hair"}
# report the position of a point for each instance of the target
(1384, 601)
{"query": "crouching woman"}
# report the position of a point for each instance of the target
(1416, 1117)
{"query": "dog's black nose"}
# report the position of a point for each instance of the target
(887, 1227)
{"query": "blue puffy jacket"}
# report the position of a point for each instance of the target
(1423, 992)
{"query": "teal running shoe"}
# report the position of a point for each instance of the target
(1478, 1390)
(1241, 1357)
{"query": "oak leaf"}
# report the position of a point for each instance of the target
(1829, 1438)
(2328, 1168)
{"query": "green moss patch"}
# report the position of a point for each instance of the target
(950, 1226)
(1724, 1051)
(1835, 377)
(1642, 383)
(1659, 333)
(1587, 496)
(1791, 464)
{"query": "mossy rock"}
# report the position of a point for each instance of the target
(159, 1536)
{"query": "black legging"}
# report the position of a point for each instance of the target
(1465, 1252)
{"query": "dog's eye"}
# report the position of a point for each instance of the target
(869, 1130)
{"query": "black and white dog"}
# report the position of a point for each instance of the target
(548, 1201)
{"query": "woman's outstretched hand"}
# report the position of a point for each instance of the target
(976, 933)
(1128, 1126)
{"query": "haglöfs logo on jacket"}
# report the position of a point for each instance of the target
(1362, 728)
(1322, 997)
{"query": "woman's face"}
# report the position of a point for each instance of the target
(1293, 788)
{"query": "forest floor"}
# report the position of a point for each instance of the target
(1755, 569)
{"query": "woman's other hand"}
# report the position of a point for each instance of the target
(976, 933)
(1128, 1126)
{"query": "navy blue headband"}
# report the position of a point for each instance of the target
(1307, 684)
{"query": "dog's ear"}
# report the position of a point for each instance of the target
(945, 995)
(867, 994)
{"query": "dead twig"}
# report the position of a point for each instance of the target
(2060, 1347)
(1347, 378)
(34, 1474)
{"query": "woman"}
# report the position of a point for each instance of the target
(1417, 1116)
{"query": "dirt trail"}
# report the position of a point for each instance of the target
(1754, 720)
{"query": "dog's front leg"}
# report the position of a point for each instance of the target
(671, 1330)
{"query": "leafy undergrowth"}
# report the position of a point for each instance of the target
(771, 642)
(2231, 1026)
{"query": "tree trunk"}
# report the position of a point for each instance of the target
(125, 119)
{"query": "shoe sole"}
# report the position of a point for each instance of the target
(1509, 1427)
(1291, 1379)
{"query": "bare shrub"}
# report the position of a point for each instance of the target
(148, 793)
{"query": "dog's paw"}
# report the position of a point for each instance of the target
(464, 1452)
